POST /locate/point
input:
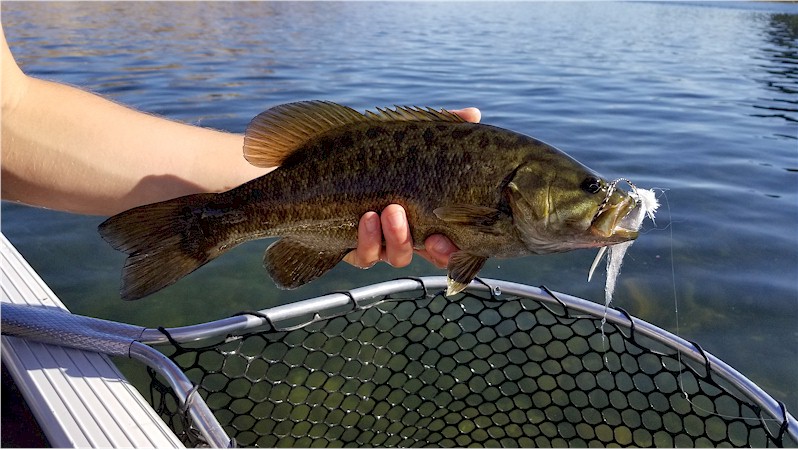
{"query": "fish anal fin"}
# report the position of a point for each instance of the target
(277, 132)
(463, 268)
(292, 263)
(483, 218)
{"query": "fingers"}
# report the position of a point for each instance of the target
(369, 242)
(398, 250)
(468, 114)
(398, 242)
(437, 249)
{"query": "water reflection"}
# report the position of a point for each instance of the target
(781, 66)
(697, 99)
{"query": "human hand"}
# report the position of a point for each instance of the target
(398, 250)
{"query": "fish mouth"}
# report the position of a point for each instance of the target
(608, 224)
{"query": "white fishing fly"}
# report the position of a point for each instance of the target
(647, 204)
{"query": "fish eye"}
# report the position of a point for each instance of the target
(591, 185)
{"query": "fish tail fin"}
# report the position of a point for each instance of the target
(164, 241)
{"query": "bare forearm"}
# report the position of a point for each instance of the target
(68, 149)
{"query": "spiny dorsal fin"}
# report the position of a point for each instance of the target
(275, 133)
(413, 114)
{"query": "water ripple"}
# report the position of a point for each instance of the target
(699, 99)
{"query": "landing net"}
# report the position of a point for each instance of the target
(502, 364)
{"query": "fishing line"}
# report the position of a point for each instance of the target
(676, 309)
(646, 205)
(676, 304)
(685, 395)
(675, 297)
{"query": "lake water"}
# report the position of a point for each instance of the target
(697, 100)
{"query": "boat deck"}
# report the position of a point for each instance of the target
(79, 398)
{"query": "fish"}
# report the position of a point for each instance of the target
(493, 192)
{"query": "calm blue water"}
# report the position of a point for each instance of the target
(700, 101)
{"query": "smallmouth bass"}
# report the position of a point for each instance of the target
(493, 192)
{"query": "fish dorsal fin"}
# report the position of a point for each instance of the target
(413, 114)
(277, 132)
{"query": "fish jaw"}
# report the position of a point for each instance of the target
(607, 225)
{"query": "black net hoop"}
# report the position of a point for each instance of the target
(484, 368)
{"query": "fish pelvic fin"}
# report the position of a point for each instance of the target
(463, 268)
(292, 262)
(164, 241)
(276, 133)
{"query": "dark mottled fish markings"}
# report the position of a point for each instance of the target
(493, 192)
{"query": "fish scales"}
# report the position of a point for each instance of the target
(332, 179)
(493, 192)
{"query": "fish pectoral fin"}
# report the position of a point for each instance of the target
(463, 268)
(277, 132)
(483, 218)
(292, 263)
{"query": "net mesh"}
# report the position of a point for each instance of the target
(474, 370)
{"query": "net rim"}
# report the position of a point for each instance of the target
(336, 304)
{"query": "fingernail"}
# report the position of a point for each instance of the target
(372, 223)
(475, 115)
(397, 219)
(436, 244)
(441, 245)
